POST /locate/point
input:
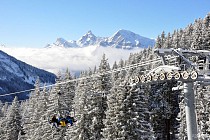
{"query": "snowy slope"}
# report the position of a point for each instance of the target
(122, 39)
(16, 75)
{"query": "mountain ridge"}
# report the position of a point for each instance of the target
(123, 39)
(16, 75)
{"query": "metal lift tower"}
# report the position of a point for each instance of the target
(189, 67)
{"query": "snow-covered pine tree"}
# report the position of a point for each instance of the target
(68, 89)
(3, 112)
(23, 112)
(29, 111)
(197, 42)
(43, 129)
(160, 41)
(4, 109)
(83, 93)
(131, 103)
(207, 99)
(188, 32)
(181, 118)
(137, 114)
(1, 116)
(168, 43)
(183, 41)
(61, 100)
(55, 107)
(12, 123)
(163, 38)
(206, 32)
(115, 113)
(164, 110)
(99, 99)
(176, 39)
(202, 107)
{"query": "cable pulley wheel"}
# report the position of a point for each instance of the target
(149, 78)
(185, 75)
(155, 77)
(169, 75)
(162, 76)
(193, 75)
(136, 79)
(142, 78)
(176, 75)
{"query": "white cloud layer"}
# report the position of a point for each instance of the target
(55, 59)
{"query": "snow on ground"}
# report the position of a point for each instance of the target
(55, 59)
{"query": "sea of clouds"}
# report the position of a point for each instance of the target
(75, 59)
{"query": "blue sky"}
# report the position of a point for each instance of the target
(35, 23)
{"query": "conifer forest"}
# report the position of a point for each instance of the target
(106, 107)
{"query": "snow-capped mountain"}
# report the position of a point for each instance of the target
(82, 54)
(60, 42)
(16, 75)
(122, 39)
(127, 40)
(87, 39)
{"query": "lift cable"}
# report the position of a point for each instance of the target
(95, 75)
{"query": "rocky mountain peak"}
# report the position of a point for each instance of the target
(88, 39)
(124, 39)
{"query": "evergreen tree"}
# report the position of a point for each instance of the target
(202, 107)
(181, 118)
(197, 42)
(158, 42)
(68, 91)
(206, 32)
(55, 107)
(137, 124)
(12, 126)
(189, 31)
(183, 41)
(29, 122)
(4, 109)
(168, 42)
(40, 117)
(115, 113)
(176, 39)
(82, 106)
(163, 39)
(99, 99)
(164, 109)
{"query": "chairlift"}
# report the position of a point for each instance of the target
(61, 118)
